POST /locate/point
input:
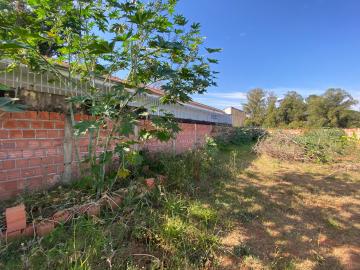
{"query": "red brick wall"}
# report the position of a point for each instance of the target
(32, 149)
(191, 136)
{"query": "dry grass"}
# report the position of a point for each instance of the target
(292, 216)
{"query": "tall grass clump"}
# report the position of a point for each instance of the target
(172, 226)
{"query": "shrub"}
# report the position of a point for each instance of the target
(246, 135)
(324, 145)
(316, 145)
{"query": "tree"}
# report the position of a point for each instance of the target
(330, 109)
(144, 39)
(255, 107)
(292, 110)
(271, 117)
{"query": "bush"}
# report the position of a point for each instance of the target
(316, 145)
(324, 145)
(246, 135)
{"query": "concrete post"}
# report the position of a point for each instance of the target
(68, 149)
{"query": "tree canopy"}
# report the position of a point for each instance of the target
(333, 108)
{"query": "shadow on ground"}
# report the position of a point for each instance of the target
(283, 217)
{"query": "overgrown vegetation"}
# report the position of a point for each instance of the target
(170, 227)
(315, 145)
(145, 42)
(221, 207)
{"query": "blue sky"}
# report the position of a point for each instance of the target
(279, 45)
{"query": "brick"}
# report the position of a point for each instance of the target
(54, 116)
(46, 143)
(28, 133)
(35, 162)
(57, 142)
(53, 134)
(43, 116)
(48, 124)
(39, 153)
(30, 172)
(58, 159)
(8, 164)
(51, 152)
(21, 144)
(8, 188)
(3, 155)
(4, 134)
(35, 183)
(18, 115)
(93, 210)
(78, 117)
(27, 153)
(62, 216)
(41, 133)
(36, 124)
(45, 227)
(29, 231)
(51, 169)
(22, 163)
(13, 174)
(31, 115)
(15, 134)
(13, 154)
(7, 145)
(15, 218)
(59, 125)
(9, 124)
(33, 144)
(22, 124)
(47, 160)
(115, 201)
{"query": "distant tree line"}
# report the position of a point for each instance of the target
(330, 109)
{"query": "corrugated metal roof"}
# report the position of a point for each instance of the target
(47, 82)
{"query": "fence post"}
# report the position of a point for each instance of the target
(68, 147)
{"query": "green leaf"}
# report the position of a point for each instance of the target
(84, 126)
(123, 37)
(141, 16)
(4, 87)
(13, 107)
(13, 44)
(213, 50)
(100, 47)
(123, 173)
(213, 61)
(127, 125)
(4, 101)
(180, 20)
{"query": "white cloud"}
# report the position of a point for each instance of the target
(222, 100)
(227, 95)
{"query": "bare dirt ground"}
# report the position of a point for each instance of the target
(292, 216)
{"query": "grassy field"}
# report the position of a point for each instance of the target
(227, 209)
(292, 215)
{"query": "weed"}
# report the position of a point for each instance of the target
(241, 250)
(203, 213)
(333, 223)
(246, 216)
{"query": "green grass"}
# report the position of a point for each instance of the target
(219, 203)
